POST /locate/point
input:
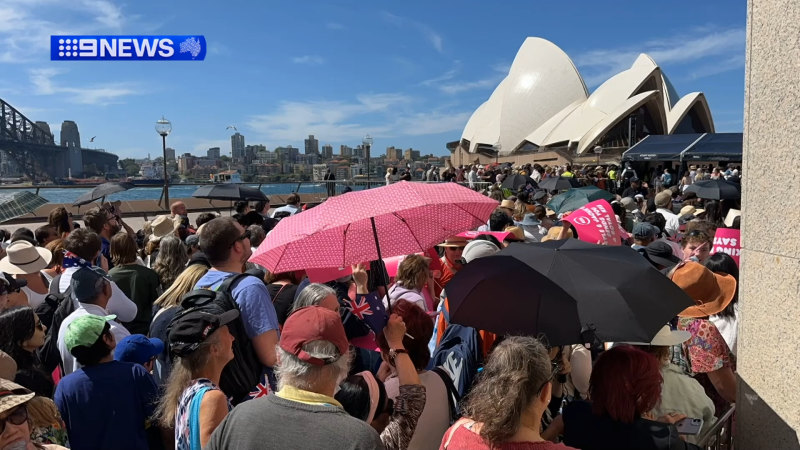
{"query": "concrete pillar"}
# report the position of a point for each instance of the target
(768, 405)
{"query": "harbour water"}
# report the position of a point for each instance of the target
(68, 195)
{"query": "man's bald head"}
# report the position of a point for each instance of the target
(178, 209)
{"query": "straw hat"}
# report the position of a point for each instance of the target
(507, 204)
(455, 241)
(666, 338)
(12, 395)
(24, 258)
(8, 367)
(689, 209)
(711, 291)
(516, 232)
(163, 226)
(553, 234)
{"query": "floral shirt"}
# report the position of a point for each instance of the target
(183, 419)
(706, 350)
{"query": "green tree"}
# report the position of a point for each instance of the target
(130, 167)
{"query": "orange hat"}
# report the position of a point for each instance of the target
(713, 292)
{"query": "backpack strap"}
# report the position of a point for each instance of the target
(230, 283)
(53, 288)
(453, 398)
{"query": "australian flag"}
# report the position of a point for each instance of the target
(369, 308)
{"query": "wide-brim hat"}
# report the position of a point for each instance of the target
(712, 292)
(164, 225)
(12, 395)
(507, 204)
(661, 253)
(454, 241)
(732, 215)
(666, 337)
(689, 209)
(530, 220)
(25, 258)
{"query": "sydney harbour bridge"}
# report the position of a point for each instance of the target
(31, 148)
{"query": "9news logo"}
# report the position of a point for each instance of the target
(127, 48)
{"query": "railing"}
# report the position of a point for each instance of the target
(720, 436)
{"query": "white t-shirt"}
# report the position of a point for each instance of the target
(435, 418)
(673, 224)
(84, 309)
(119, 303)
(727, 328)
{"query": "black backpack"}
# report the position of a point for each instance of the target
(243, 373)
(52, 312)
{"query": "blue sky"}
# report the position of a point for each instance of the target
(408, 73)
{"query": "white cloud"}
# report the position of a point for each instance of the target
(428, 33)
(704, 45)
(381, 115)
(334, 26)
(444, 83)
(463, 86)
(312, 60)
(99, 94)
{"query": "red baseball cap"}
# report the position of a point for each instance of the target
(309, 324)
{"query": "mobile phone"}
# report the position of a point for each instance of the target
(690, 426)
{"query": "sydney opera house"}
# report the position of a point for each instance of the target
(543, 111)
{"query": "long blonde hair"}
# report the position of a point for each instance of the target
(183, 284)
(184, 370)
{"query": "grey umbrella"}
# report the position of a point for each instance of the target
(18, 204)
(101, 192)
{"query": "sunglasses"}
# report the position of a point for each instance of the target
(556, 368)
(17, 417)
(245, 235)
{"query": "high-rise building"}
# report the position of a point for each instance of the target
(358, 152)
(237, 147)
(312, 145)
(411, 154)
(170, 154)
(69, 134)
(213, 153)
(394, 153)
(327, 151)
(345, 151)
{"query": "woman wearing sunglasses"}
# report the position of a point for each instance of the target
(21, 334)
(15, 420)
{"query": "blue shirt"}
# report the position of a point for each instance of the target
(107, 405)
(251, 294)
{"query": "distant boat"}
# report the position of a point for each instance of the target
(227, 177)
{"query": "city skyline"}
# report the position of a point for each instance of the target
(409, 74)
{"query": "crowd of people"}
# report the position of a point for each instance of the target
(169, 337)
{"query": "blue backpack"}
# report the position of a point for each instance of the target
(459, 353)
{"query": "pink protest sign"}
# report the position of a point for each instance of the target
(727, 240)
(328, 274)
(596, 223)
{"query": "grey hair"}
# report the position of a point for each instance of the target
(293, 371)
(312, 295)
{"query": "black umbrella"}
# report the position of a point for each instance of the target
(559, 183)
(500, 294)
(719, 189)
(619, 295)
(231, 192)
(101, 192)
(516, 181)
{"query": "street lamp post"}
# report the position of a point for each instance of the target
(164, 127)
(367, 143)
(597, 151)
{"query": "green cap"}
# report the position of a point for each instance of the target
(85, 330)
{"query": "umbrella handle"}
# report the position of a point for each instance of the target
(380, 258)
